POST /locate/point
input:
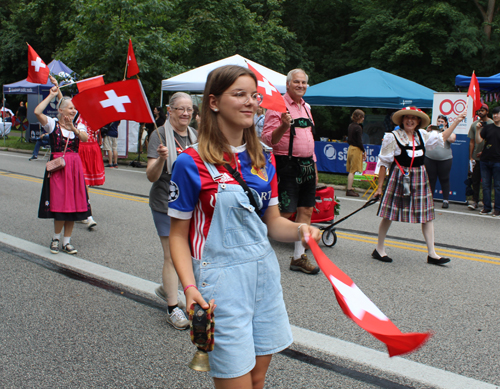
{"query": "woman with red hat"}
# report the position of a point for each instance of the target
(407, 196)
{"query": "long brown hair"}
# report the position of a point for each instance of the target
(212, 144)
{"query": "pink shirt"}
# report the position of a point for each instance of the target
(303, 142)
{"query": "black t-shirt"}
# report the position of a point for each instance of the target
(491, 136)
(21, 111)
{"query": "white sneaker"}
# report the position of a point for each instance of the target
(91, 224)
(177, 319)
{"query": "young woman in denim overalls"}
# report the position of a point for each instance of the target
(219, 235)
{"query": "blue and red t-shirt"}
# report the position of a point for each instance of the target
(193, 191)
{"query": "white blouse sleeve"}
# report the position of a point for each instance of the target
(432, 139)
(51, 124)
(388, 151)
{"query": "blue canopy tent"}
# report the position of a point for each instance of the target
(370, 88)
(37, 92)
(488, 84)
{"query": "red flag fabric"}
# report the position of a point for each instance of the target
(89, 83)
(272, 98)
(363, 311)
(122, 100)
(475, 93)
(132, 67)
(38, 72)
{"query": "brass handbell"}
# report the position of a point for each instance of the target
(200, 330)
(200, 361)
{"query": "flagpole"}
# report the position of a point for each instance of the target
(158, 132)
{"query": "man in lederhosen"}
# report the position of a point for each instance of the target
(290, 135)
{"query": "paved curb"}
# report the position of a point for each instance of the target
(377, 360)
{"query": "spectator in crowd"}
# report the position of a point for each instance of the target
(110, 144)
(490, 162)
(438, 162)
(41, 141)
(356, 151)
(258, 120)
(475, 150)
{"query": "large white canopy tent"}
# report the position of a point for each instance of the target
(194, 80)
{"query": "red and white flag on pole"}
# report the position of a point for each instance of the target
(38, 72)
(272, 97)
(363, 311)
(122, 100)
(132, 67)
(88, 83)
(475, 93)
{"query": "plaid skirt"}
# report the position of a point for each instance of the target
(416, 208)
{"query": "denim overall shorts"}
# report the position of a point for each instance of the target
(240, 271)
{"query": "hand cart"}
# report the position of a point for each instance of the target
(329, 237)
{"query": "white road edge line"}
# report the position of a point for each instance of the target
(327, 344)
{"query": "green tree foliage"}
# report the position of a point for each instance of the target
(427, 41)
(100, 32)
(221, 28)
(35, 22)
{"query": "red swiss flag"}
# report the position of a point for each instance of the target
(89, 83)
(132, 67)
(272, 98)
(363, 311)
(122, 100)
(475, 93)
(38, 72)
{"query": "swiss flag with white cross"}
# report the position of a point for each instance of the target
(272, 97)
(122, 100)
(38, 72)
(361, 310)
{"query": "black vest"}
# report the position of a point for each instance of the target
(404, 158)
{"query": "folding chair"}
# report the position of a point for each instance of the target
(370, 175)
(24, 127)
(47, 151)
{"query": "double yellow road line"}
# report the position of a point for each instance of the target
(102, 192)
(421, 248)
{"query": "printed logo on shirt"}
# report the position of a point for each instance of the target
(173, 192)
(261, 173)
(225, 178)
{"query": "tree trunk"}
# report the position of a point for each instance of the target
(487, 15)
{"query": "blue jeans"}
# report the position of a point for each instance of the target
(39, 143)
(490, 170)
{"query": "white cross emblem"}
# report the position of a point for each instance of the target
(267, 86)
(115, 101)
(357, 301)
(38, 64)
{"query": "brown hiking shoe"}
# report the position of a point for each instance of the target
(304, 265)
(351, 192)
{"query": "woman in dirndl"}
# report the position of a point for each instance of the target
(64, 196)
(91, 156)
(407, 196)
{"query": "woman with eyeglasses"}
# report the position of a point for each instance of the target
(224, 207)
(176, 136)
(438, 162)
(64, 196)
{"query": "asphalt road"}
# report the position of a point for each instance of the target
(62, 330)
